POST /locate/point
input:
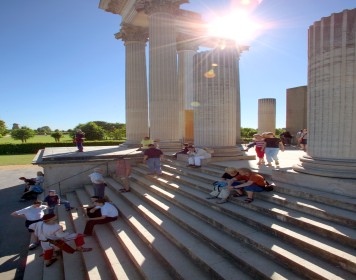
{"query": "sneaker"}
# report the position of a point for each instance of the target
(33, 246)
(277, 162)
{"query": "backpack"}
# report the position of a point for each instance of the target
(37, 189)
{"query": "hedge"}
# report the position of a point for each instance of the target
(32, 148)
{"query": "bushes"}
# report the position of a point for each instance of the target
(32, 148)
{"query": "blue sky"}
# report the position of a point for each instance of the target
(60, 64)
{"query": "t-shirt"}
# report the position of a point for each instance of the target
(272, 142)
(32, 213)
(153, 153)
(257, 179)
(96, 178)
(51, 200)
(145, 143)
(108, 210)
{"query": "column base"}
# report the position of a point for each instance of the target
(335, 168)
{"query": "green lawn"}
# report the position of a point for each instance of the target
(36, 139)
(16, 159)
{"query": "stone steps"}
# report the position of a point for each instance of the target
(167, 229)
(283, 232)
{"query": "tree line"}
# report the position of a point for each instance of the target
(95, 130)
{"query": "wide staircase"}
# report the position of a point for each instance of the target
(167, 229)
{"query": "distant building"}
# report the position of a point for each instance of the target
(15, 126)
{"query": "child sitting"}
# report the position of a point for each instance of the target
(52, 200)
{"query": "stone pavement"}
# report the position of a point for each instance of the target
(287, 159)
(14, 237)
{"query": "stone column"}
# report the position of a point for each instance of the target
(187, 48)
(163, 96)
(135, 39)
(216, 82)
(332, 97)
(296, 113)
(267, 115)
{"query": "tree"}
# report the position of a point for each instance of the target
(22, 134)
(44, 130)
(248, 132)
(92, 131)
(57, 135)
(3, 129)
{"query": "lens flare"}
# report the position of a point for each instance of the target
(210, 74)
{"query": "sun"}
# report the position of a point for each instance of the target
(238, 25)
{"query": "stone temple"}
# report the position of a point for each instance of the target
(192, 96)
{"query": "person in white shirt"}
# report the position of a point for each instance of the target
(33, 214)
(50, 233)
(109, 213)
(98, 181)
(196, 155)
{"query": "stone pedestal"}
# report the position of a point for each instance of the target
(267, 115)
(332, 97)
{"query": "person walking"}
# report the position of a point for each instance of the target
(152, 156)
(271, 148)
(53, 199)
(79, 139)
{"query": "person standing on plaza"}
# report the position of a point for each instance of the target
(33, 214)
(258, 142)
(152, 156)
(79, 139)
(271, 148)
(98, 181)
(303, 140)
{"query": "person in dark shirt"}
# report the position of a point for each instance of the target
(272, 147)
(52, 200)
(152, 156)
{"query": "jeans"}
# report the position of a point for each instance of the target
(154, 165)
(272, 154)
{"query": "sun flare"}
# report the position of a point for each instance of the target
(239, 26)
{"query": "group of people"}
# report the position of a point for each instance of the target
(302, 139)
(41, 220)
(266, 144)
(238, 182)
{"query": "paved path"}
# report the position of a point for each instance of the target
(14, 237)
(287, 159)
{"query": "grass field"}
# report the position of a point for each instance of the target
(37, 139)
(16, 159)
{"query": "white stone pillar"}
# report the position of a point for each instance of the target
(215, 77)
(187, 48)
(267, 115)
(163, 94)
(135, 39)
(332, 97)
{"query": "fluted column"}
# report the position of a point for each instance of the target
(163, 96)
(215, 93)
(187, 48)
(332, 97)
(266, 115)
(135, 39)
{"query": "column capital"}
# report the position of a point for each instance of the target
(186, 42)
(155, 6)
(131, 32)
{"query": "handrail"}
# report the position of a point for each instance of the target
(91, 168)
